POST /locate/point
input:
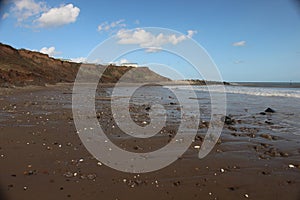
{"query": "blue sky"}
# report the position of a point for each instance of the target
(249, 40)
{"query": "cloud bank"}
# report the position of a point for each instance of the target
(152, 42)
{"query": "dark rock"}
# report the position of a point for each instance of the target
(266, 173)
(270, 110)
(228, 120)
(262, 113)
(233, 188)
(273, 152)
(232, 128)
(236, 134)
(283, 154)
(252, 135)
(176, 183)
(147, 108)
(270, 123)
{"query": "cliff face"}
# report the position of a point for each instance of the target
(24, 67)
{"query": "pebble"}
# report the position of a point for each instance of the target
(177, 183)
(222, 170)
(291, 166)
(68, 174)
(228, 120)
(197, 147)
(246, 195)
(99, 163)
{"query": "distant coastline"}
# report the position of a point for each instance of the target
(267, 84)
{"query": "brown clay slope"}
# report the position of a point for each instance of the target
(24, 67)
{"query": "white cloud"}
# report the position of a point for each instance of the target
(191, 33)
(34, 13)
(150, 41)
(238, 61)
(23, 9)
(79, 60)
(5, 15)
(50, 51)
(63, 15)
(239, 43)
(106, 26)
(119, 62)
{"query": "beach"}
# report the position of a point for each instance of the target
(42, 156)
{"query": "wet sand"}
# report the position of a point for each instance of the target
(42, 157)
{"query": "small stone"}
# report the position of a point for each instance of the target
(228, 120)
(99, 163)
(68, 174)
(246, 195)
(291, 166)
(147, 108)
(197, 147)
(222, 170)
(25, 188)
(177, 183)
(284, 154)
(80, 160)
(266, 173)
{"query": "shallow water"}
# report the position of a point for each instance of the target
(244, 103)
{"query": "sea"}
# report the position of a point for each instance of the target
(246, 102)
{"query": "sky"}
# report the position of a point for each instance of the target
(248, 40)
